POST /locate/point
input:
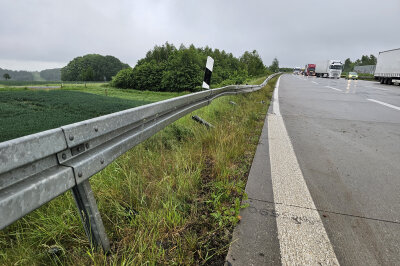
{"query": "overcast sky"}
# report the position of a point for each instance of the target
(40, 34)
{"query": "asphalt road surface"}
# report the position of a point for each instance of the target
(334, 170)
(346, 137)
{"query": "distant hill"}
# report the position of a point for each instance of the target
(44, 75)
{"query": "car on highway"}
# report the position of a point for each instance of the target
(352, 75)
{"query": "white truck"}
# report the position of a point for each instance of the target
(387, 69)
(329, 69)
(296, 70)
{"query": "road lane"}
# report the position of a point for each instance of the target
(348, 149)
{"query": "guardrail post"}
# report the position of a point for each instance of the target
(202, 121)
(90, 215)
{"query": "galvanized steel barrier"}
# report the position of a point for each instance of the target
(37, 168)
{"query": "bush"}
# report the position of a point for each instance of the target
(124, 79)
(148, 76)
(184, 72)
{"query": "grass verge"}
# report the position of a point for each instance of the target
(173, 199)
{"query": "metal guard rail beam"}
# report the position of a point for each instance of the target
(37, 168)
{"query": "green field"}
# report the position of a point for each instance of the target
(24, 111)
(129, 94)
(174, 199)
(27, 112)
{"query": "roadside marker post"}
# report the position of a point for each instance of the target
(208, 73)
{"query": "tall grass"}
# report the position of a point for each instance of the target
(173, 199)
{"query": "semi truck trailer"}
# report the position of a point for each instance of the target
(387, 69)
(328, 68)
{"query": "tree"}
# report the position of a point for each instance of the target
(274, 67)
(51, 74)
(348, 65)
(253, 63)
(185, 71)
(372, 59)
(159, 53)
(92, 67)
(148, 76)
(125, 79)
(366, 60)
(6, 76)
(87, 74)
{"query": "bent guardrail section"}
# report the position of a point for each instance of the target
(37, 168)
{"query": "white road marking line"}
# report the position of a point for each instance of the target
(385, 104)
(314, 82)
(275, 103)
(333, 88)
(301, 233)
(377, 88)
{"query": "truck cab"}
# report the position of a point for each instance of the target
(335, 69)
(329, 69)
(310, 70)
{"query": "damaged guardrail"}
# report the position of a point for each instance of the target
(37, 168)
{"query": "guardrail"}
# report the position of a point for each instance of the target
(37, 168)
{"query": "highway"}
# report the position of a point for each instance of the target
(333, 163)
(346, 137)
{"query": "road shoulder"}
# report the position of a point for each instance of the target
(255, 239)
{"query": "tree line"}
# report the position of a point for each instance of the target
(364, 61)
(168, 68)
(16, 75)
(164, 68)
(47, 74)
(51, 74)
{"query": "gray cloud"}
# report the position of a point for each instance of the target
(36, 34)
